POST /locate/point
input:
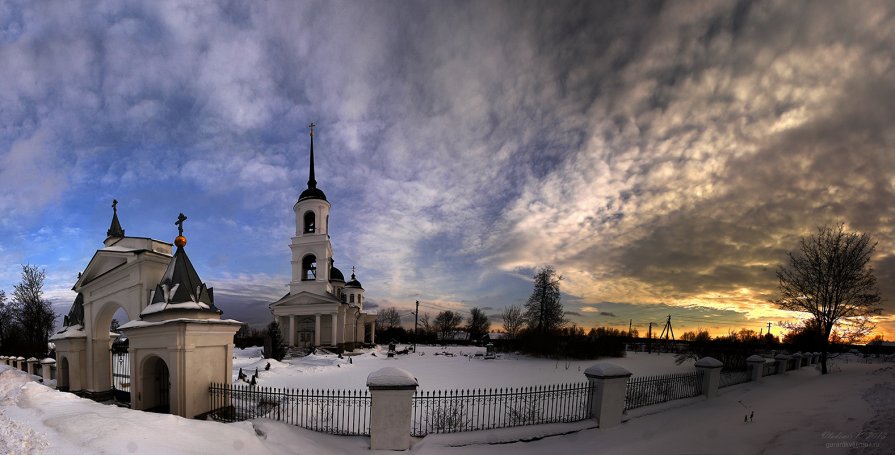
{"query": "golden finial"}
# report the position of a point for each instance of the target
(180, 240)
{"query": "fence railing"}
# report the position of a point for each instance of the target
(770, 368)
(729, 378)
(470, 410)
(649, 390)
(342, 412)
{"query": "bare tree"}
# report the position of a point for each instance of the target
(31, 310)
(426, 324)
(447, 322)
(477, 325)
(831, 280)
(543, 311)
(512, 320)
(388, 318)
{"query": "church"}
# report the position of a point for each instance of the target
(321, 308)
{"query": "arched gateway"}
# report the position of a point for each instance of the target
(173, 324)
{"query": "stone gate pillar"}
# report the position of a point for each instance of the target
(391, 403)
(711, 375)
(608, 383)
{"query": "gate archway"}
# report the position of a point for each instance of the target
(155, 388)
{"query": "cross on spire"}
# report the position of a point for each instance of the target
(180, 219)
(114, 205)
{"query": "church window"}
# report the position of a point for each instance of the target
(351, 298)
(309, 268)
(310, 226)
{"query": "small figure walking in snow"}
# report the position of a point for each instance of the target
(746, 419)
(751, 416)
(267, 368)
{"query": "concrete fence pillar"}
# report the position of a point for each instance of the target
(391, 404)
(608, 384)
(710, 368)
(3, 360)
(46, 369)
(756, 367)
(797, 360)
(20, 363)
(815, 358)
(781, 361)
(32, 365)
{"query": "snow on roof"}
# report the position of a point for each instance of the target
(161, 306)
(75, 331)
(391, 377)
(135, 324)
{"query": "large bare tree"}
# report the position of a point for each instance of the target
(477, 324)
(831, 280)
(513, 320)
(388, 318)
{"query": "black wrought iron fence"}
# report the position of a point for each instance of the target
(649, 390)
(770, 368)
(450, 411)
(342, 412)
(729, 378)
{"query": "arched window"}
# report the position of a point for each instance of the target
(310, 226)
(309, 268)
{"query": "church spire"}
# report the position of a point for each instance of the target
(312, 182)
(115, 229)
(312, 192)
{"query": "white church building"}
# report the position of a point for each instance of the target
(321, 309)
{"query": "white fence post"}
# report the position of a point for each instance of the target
(756, 367)
(608, 383)
(391, 405)
(711, 375)
(20, 363)
(46, 367)
(797, 360)
(32, 365)
(781, 361)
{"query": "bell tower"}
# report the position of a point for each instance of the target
(311, 249)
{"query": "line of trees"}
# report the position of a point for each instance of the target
(26, 317)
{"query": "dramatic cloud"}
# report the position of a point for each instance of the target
(663, 157)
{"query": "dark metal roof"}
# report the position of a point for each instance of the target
(76, 313)
(353, 283)
(335, 274)
(115, 229)
(181, 272)
(312, 193)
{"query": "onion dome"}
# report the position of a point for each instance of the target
(353, 283)
(334, 273)
(312, 192)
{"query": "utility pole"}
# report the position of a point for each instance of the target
(769, 328)
(416, 318)
(629, 327)
(649, 339)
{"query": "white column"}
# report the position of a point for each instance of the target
(317, 329)
(335, 327)
(756, 367)
(292, 330)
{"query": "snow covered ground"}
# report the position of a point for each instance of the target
(802, 412)
(461, 369)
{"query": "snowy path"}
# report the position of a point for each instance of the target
(802, 412)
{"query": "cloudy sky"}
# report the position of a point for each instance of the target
(663, 157)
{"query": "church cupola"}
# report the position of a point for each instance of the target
(181, 291)
(115, 231)
(354, 292)
(311, 249)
